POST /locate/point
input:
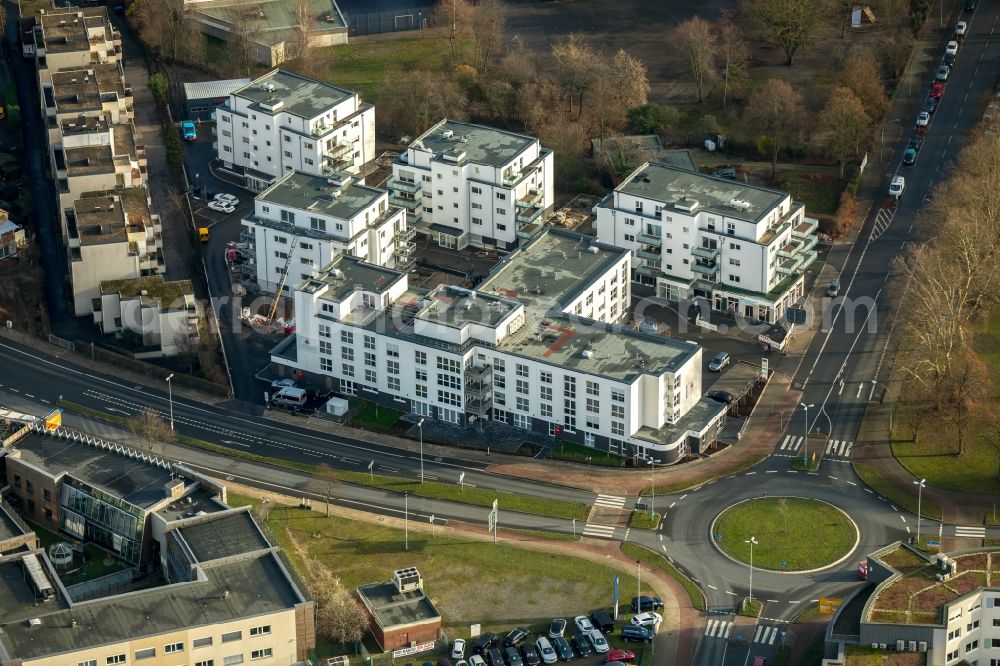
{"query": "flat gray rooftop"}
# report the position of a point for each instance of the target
(212, 89)
(305, 191)
(483, 145)
(17, 596)
(303, 97)
(457, 307)
(138, 483)
(600, 349)
(8, 528)
(670, 185)
(200, 500)
(392, 609)
(552, 269)
(235, 590)
(228, 534)
(697, 419)
(345, 274)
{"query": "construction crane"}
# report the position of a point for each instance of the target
(281, 283)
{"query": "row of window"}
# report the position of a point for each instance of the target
(172, 648)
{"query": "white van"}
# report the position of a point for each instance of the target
(896, 186)
(289, 397)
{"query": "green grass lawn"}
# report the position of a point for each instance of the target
(372, 416)
(99, 562)
(570, 452)
(362, 66)
(651, 558)
(500, 585)
(830, 533)
(643, 520)
(819, 192)
(751, 607)
(897, 496)
(432, 489)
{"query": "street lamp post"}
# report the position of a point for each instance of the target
(875, 382)
(805, 441)
(638, 580)
(170, 394)
(406, 520)
(652, 486)
(920, 493)
(420, 424)
(753, 542)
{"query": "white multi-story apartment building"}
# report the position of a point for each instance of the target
(161, 315)
(535, 346)
(285, 122)
(74, 38)
(111, 236)
(466, 184)
(743, 248)
(303, 221)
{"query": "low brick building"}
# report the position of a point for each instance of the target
(399, 614)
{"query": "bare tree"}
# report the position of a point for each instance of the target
(488, 22)
(305, 36)
(775, 111)
(783, 513)
(789, 23)
(861, 75)
(694, 39)
(415, 100)
(964, 393)
(339, 616)
(607, 112)
(632, 80)
(454, 18)
(244, 25)
(575, 64)
(328, 479)
(151, 431)
(733, 55)
(847, 124)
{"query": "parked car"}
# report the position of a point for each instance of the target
(583, 623)
(897, 186)
(633, 633)
(582, 645)
(620, 655)
(483, 644)
(951, 48)
(562, 648)
(546, 651)
(515, 637)
(598, 641)
(279, 384)
(923, 119)
(944, 71)
(221, 206)
(188, 131)
(441, 662)
(647, 619)
(228, 198)
(761, 661)
(476, 660)
(721, 396)
(557, 627)
(646, 603)
(720, 361)
(461, 662)
(458, 649)
(930, 105)
(937, 89)
(530, 655)
(960, 28)
(725, 172)
(603, 621)
(512, 656)
(969, 6)
(916, 143)
(948, 60)
(833, 289)
(909, 156)
(495, 658)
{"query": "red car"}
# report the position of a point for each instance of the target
(937, 89)
(620, 655)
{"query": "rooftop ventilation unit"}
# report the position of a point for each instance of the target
(447, 134)
(740, 204)
(407, 580)
(687, 205)
(586, 353)
(592, 249)
(336, 272)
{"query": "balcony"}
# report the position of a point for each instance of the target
(406, 234)
(528, 200)
(806, 227)
(709, 269)
(336, 151)
(649, 254)
(404, 202)
(808, 243)
(789, 250)
(529, 215)
(709, 253)
(478, 405)
(479, 372)
(789, 266)
(807, 259)
(650, 239)
(405, 249)
(476, 390)
(405, 185)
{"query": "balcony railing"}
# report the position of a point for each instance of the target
(405, 185)
(705, 269)
(807, 259)
(405, 249)
(529, 215)
(406, 234)
(806, 227)
(409, 204)
(650, 239)
(336, 150)
(705, 252)
(528, 200)
(646, 254)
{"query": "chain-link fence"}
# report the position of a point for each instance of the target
(396, 20)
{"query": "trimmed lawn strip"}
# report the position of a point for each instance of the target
(897, 496)
(751, 607)
(525, 587)
(831, 533)
(668, 488)
(374, 417)
(570, 452)
(541, 534)
(430, 489)
(363, 66)
(652, 558)
(643, 521)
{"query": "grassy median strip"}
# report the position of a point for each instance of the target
(643, 520)
(886, 489)
(656, 560)
(668, 488)
(430, 489)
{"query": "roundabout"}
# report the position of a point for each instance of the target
(778, 526)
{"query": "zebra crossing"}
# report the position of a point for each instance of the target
(970, 532)
(764, 634)
(791, 443)
(839, 447)
(718, 629)
(610, 501)
(598, 530)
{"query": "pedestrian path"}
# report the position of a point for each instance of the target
(839, 448)
(970, 532)
(610, 501)
(791, 443)
(718, 629)
(598, 530)
(766, 634)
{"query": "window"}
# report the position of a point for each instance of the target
(371, 377)
(499, 398)
(501, 227)
(952, 655)
(91, 662)
(421, 375)
(521, 370)
(232, 636)
(392, 367)
(734, 246)
(546, 392)
(392, 351)
(173, 647)
(326, 365)
(420, 357)
(449, 381)
(449, 398)
(232, 660)
(29, 486)
(734, 262)
(973, 645)
(569, 386)
(617, 411)
(499, 381)
(501, 196)
(288, 153)
(545, 376)
(145, 654)
(393, 383)
(617, 395)
(263, 653)
(501, 211)
(954, 633)
(201, 642)
(593, 388)
(522, 404)
(324, 331)
(347, 354)
(317, 224)
(522, 386)
(477, 220)
(522, 421)
(546, 409)
(477, 206)
(207, 662)
(370, 342)
(593, 405)
(617, 428)
(449, 365)
(630, 238)
(421, 391)
(281, 239)
(734, 278)
(370, 359)
(116, 659)
(477, 190)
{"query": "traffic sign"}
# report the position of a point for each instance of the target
(828, 606)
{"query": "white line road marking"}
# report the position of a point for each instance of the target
(729, 627)
(833, 477)
(663, 548)
(732, 594)
(860, 386)
(772, 601)
(760, 630)
(713, 587)
(682, 497)
(894, 507)
(902, 517)
(907, 529)
(869, 490)
(661, 537)
(970, 532)
(28, 395)
(852, 483)
(751, 473)
(771, 471)
(672, 505)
